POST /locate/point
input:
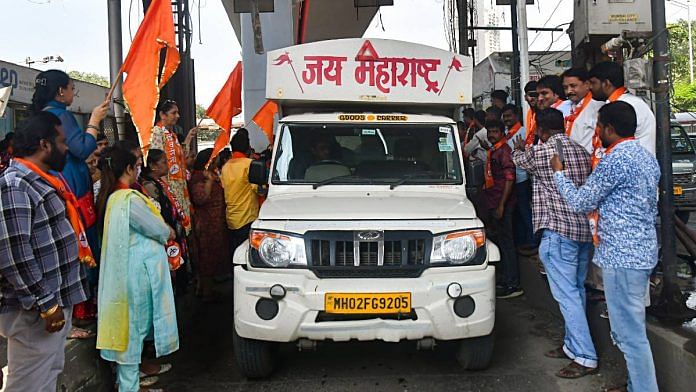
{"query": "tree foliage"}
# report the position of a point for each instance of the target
(90, 77)
(200, 111)
(684, 96)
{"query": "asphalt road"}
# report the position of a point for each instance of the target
(523, 333)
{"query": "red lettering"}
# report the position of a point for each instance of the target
(315, 70)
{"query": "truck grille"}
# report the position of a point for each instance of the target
(682, 179)
(368, 253)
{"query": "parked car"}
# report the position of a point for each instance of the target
(683, 170)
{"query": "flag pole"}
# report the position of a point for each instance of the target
(114, 84)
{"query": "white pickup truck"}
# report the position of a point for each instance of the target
(366, 232)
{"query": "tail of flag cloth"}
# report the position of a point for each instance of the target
(141, 89)
(264, 119)
(226, 105)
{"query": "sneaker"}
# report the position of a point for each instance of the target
(510, 292)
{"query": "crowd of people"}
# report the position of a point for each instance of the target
(118, 229)
(588, 156)
(124, 229)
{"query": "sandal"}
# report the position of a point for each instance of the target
(575, 370)
(556, 353)
(163, 368)
(148, 381)
(79, 333)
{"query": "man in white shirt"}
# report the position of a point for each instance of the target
(551, 95)
(607, 84)
(477, 146)
(582, 121)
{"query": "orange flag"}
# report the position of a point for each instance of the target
(264, 118)
(142, 86)
(227, 104)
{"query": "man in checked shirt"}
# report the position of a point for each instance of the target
(40, 275)
(566, 238)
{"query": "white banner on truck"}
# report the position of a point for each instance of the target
(369, 70)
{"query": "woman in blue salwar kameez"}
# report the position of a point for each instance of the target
(135, 291)
(54, 92)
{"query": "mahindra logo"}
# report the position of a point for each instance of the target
(369, 235)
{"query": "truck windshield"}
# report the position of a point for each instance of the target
(390, 154)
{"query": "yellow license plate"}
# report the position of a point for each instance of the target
(367, 303)
(678, 191)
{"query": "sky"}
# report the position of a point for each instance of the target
(77, 31)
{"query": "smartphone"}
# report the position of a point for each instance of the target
(559, 150)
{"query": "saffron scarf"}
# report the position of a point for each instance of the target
(570, 120)
(174, 154)
(489, 170)
(71, 209)
(181, 214)
(593, 216)
(598, 150)
(513, 131)
(531, 126)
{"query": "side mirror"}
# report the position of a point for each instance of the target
(258, 174)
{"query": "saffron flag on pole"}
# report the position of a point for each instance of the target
(226, 105)
(141, 89)
(264, 119)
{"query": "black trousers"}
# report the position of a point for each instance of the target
(238, 236)
(501, 232)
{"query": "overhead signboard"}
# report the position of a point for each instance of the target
(368, 70)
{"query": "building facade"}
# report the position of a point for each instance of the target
(22, 80)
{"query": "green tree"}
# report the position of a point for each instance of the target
(90, 77)
(200, 111)
(679, 50)
(684, 96)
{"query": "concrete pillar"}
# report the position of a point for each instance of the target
(277, 30)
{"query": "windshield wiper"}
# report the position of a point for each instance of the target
(408, 177)
(334, 180)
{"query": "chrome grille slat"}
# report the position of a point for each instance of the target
(401, 249)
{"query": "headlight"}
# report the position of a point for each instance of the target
(457, 248)
(278, 250)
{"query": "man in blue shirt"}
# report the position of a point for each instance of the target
(623, 191)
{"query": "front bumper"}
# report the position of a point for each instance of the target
(687, 200)
(298, 310)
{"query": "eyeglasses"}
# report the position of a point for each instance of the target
(170, 101)
(532, 94)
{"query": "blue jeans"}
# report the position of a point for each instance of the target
(566, 263)
(524, 231)
(625, 290)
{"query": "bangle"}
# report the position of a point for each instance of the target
(49, 312)
(96, 128)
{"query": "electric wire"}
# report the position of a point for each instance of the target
(558, 4)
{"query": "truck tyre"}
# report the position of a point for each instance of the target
(255, 358)
(475, 353)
